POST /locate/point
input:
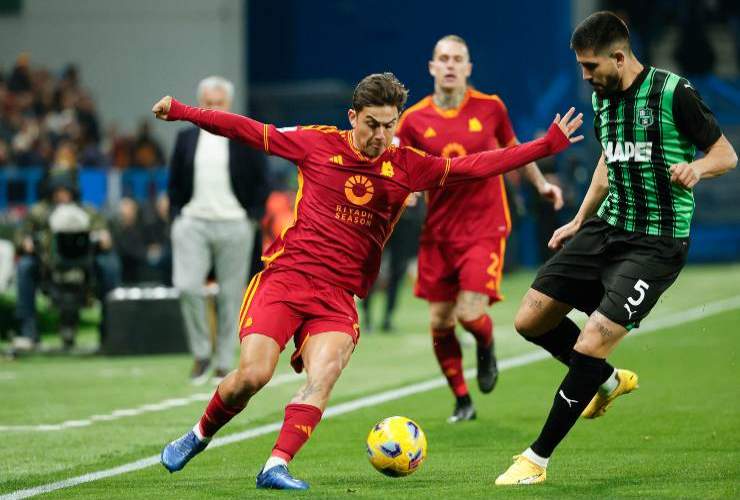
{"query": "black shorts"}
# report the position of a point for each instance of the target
(621, 274)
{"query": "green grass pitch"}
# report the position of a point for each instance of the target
(677, 436)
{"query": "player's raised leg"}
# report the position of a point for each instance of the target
(449, 356)
(257, 361)
(587, 370)
(471, 313)
(324, 357)
(543, 321)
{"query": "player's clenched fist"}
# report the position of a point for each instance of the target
(162, 108)
(684, 175)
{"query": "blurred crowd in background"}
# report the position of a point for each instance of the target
(49, 119)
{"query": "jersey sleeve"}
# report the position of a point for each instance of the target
(427, 172)
(692, 116)
(504, 129)
(292, 143)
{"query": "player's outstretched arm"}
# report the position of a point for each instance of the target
(438, 172)
(240, 128)
(221, 123)
(720, 158)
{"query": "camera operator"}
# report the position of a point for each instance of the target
(35, 241)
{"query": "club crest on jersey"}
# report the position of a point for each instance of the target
(452, 150)
(359, 189)
(645, 117)
(386, 170)
(474, 125)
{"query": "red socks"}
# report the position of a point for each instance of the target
(449, 356)
(481, 328)
(217, 414)
(300, 421)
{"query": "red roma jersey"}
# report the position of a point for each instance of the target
(471, 211)
(347, 204)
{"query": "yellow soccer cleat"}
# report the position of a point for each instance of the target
(522, 471)
(601, 402)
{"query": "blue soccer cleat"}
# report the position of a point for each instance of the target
(278, 478)
(179, 452)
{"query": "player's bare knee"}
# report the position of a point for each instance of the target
(442, 319)
(442, 323)
(525, 323)
(531, 319)
(470, 306)
(587, 344)
(250, 380)
(598, 338)
(470, 312)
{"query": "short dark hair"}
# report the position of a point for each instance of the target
(599, 31)
(379, 89)
(450, 38)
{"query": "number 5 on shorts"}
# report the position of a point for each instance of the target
(640, 286)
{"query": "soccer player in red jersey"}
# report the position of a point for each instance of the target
(461, 252)
(353, 185)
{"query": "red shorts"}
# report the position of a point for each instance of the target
(446, 268)
(284, 304)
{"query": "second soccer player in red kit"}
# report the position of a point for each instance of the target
(353, 185)
(461, 252)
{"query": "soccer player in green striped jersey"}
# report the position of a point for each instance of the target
(629, 239)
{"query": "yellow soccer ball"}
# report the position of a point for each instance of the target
(396, 446)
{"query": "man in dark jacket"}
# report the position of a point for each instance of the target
(216, 188)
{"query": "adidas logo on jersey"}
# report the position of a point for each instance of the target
(429, 132)
(474, 125)
(627, 151)
(336, 160)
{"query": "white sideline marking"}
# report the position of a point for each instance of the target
(282, 379)
(383, 397)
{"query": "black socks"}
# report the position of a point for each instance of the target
(559, 341)
(584, 377)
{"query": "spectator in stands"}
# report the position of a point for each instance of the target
(65, 156)
(216, 187)
(119, 148)
(34, 242)
(129, 241)
(158, 246)
(4, 153)
(38, 112)
(147, 151)
(20, 77)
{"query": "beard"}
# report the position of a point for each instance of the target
(609, 87)
(374, 149)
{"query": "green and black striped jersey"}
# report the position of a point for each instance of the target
(657, 122)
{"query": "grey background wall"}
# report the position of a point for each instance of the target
(134, 51)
